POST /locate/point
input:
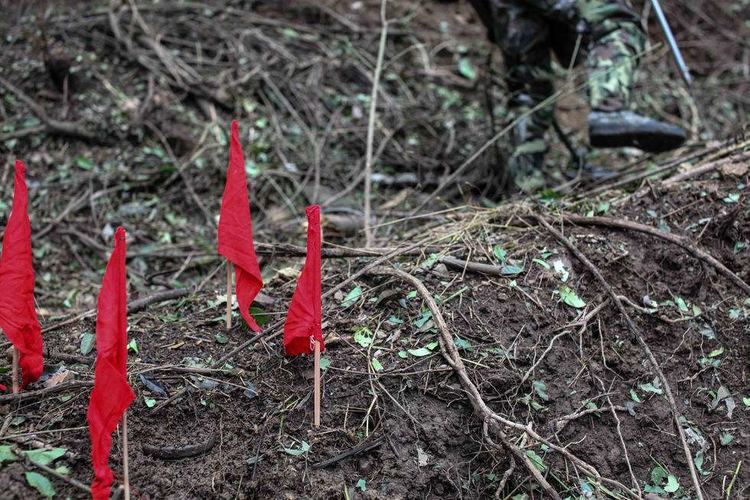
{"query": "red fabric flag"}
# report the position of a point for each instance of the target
(111, 395)
(303, 319)
(17, 314)
(236, 231)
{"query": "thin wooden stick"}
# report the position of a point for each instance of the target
(15, 370)
(229, 295)
(125, 467)
(371, 122)
(316, 386)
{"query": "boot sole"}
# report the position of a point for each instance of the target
(653, 141)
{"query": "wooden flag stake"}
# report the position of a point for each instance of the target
(229, 295)
(316, 385)
(15, 370)
(125, 467)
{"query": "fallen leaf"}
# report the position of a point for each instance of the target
(41, 484)
(352, 297)
(571, 298)
(58, 377)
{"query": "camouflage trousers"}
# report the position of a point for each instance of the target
(606, 33)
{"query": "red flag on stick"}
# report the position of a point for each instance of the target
(17, 313)
(303, 319)
(111, 395)
(236, 231)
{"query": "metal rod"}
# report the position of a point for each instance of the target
(684, 70)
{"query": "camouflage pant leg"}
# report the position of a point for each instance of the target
(617, 41)
(524, 39)
(522, 29)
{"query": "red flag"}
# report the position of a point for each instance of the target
(17, 314)
(111, 395)
(303, 319)
(236, 231)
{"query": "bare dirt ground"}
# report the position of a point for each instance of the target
(514, 372)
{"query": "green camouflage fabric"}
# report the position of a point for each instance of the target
(529, 31)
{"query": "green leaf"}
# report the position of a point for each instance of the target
(423, 319)
(45, 457)
(423, 351)
(296, 452)
(430, 261)
(63, 469)
(411, 295)
(376, 365)
(362, 484)
(681, 305)
(352, 297)
(726, 438)
(289, 33)
(634, 396)
(698, 461)
(150, 402)
(88, 342)
(462, 344)
(133, 346)
(325, 362)
(541, 389)
(221, 338)
(658, 475)
(716, 352)
(571, 298)
(86, 164)
(510, 269)
(395, 320)
(746, 402)
(542, 263)
(403, 354)
(260, 315)
(672, 484)
(41, 484)
(363, 336)
(467, 69)
(6, 454)
(500, 254)
(536, 460)
(652, 387)
(732, 198)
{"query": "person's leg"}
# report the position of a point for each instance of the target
(617, 43)
(523, 38)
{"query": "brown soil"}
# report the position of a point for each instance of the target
(429, 444)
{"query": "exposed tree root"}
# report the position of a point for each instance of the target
(682, 241)
(641, 341)
(488, 416)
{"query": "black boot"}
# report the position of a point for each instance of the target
(618, 129)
